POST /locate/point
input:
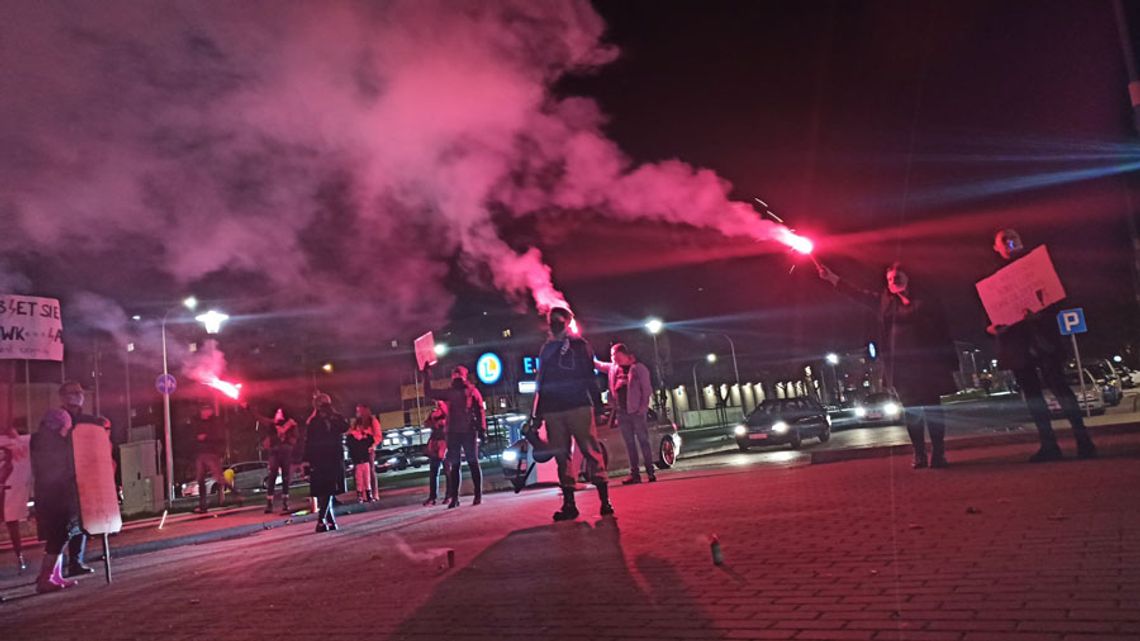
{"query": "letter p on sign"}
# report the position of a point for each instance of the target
(1072, 321)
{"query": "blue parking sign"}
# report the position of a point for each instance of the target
(1072, 321)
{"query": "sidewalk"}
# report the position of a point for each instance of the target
(992, 549)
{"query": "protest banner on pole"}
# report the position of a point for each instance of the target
(1027, 285)
(31, 328)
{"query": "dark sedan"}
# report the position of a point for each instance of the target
(783, 421)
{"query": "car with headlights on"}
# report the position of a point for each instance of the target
(878, 408)
(783, 421)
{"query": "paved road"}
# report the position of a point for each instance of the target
(990, 550)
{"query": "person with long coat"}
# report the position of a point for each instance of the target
(917, 355)
(57, 498)
(324, 450)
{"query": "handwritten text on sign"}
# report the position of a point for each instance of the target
(1025, 286)
(30, 328)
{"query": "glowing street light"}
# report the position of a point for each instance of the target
(711, 358)
(327, 368)
(832, 358)
(654, 326)
(213, 320)
(441, 349)
(190, 303)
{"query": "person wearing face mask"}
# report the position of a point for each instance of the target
(1035, 352)
(71, 398)
(466, 425)
(630, 393)
(568, 400)
(917, 355)
(324, 450)
(57, 500)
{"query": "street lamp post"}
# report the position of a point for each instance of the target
(654, 326)
(833, 360)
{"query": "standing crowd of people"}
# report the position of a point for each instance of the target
(916, 350)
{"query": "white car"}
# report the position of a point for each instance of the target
(248, 476)
(1092, 400)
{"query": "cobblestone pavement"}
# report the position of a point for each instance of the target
(992, 549)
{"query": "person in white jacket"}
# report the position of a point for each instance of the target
(630, 392)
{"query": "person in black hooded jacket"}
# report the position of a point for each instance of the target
(917, 355)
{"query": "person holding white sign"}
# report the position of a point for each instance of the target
(1034, 351)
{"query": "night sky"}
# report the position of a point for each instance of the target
(885, 131)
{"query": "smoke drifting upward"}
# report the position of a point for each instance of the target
(338, 155)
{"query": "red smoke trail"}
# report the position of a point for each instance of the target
(232, 390)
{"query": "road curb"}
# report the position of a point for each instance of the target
(963, 443)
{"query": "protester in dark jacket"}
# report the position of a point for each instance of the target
(278, 438)
(917, 355)
(324, 450)
(567, 399)
(1034, 351)
(209, 448)
(57, 500)
(71, 398)
(436, 451)
(466, 425)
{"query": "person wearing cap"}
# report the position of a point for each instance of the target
(72, 398)
(1035, 352)
(210, 446)
(324, 450)
(567, 398)
(466, 425)
(57, 499)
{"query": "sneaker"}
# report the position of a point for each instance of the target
(567, 513)
(1046, 454)
(78, 569)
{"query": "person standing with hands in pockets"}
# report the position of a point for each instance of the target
(466, 425)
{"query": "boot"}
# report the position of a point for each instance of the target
(1049, 451)
(478, 498)
(569, 510)
(650, 472)
(50, 579)
(1085, 447)
(604, 497)
(269, 505)
(453, 503)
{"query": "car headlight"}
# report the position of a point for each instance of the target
(740, 430)
(510, 456)
(891, 409)
(860, 411)
(779, 427)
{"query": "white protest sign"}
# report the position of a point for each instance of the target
(1028, 284)
(95, 479)
(425, 350)
(30, 328)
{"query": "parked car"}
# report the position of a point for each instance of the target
(518, 464)
(1092, 400)
(389, 460)
(249, 476)
(1109, 379)
(783, 421)
(879, 407)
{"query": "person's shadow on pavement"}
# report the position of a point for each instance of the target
(564, 581)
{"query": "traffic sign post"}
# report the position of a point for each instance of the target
(165, 384)
(1072, 322)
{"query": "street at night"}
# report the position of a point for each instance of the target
(570, 319)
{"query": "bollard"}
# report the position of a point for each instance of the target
(714, 546)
